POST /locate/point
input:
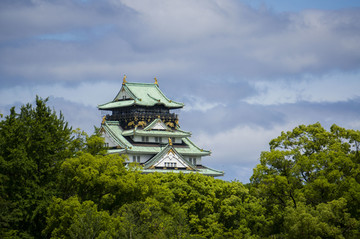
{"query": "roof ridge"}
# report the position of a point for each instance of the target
(139, 83)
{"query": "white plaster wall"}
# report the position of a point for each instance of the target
(198, 160)
(143, 157)
(138, 139)
(159, 126)
(170, 158)
(108, 140)
(122, 95)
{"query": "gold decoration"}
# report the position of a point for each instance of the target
(131, 123)
(156, 82)
(170, 142)
(170, 124)
(142, 123)
(103, 120)
(124, 80)
(171, 151)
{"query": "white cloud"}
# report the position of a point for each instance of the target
(333, 87)
(194, 103)
(88, 94)
(237, 151)
(241, 144)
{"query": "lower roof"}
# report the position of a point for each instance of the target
(203, 170)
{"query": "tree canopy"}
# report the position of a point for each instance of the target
(60, 183)
(311, 176)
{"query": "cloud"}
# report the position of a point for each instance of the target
(198, 104)
(331, 87)
(237, 150)
(87, 94)
(204, 37)
(244, 72)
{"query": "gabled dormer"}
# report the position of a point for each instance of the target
(123, 95)
(169, 158)
(157, 124)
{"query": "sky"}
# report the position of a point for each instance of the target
(246, 70)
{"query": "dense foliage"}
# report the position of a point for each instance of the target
(59, 183)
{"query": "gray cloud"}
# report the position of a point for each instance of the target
(171, 37)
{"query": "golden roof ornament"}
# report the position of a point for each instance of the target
(156, 82)
(170, 142)
(124, 80)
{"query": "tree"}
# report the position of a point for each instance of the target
(308, 166)
(33, 144)
(326, 220)
(102, 179)
(74, 219)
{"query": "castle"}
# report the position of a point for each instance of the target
(142, 126)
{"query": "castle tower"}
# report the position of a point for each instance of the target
(142, 126)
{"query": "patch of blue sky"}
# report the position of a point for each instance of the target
(77, 35)
(299, 5)
(65, 37)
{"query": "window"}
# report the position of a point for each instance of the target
(192, 160)
(158, 139)
(145, 138)
(136, 158)
(173, 140)
(170, 165)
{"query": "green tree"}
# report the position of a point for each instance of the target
(83, 143)
(308, 165)
(33, 144)
(102, 179)
(74, 219)
(326, 220)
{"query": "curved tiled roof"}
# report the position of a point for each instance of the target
(142, 94)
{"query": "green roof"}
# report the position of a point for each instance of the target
(141, 94)
(205, 171)
(113, 129)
